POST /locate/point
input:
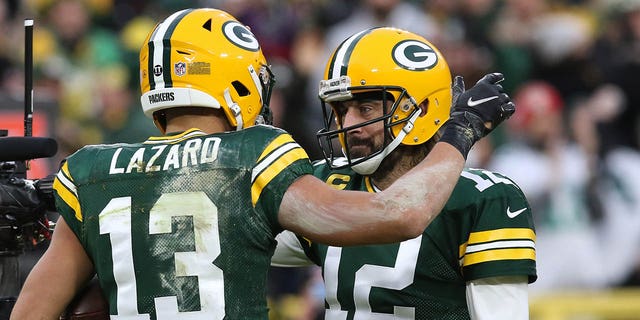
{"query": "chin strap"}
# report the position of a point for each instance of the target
(256, 80)
(235, 108)
(370, 165)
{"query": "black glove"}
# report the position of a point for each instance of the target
(457, 89)
(476, 112)
(19, 201)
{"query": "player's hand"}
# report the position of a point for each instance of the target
(457, 89)
(487, 100)
(476, 112)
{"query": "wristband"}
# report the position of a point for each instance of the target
(463, 130)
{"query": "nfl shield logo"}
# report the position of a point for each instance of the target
(180, 68)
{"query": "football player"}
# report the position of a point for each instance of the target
(183, 225)
(475, 260)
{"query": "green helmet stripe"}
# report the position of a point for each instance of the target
(152, 82)
(160, 51)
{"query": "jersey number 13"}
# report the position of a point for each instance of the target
(115, 220)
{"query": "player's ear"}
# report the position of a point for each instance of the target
(160, 121)
(424, 106)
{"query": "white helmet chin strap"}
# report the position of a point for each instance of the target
(235, 108)
(370, 165)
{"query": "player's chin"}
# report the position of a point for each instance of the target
(359, 151)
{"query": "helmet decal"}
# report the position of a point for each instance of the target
(180, 68)
(340, 60)
(414, 55)
(240, 35)
(157, 70)
(159, 51)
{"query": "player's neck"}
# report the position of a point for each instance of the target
(206, 123)
(401, 160)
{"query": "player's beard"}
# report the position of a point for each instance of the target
(401, 160)
(359, 148)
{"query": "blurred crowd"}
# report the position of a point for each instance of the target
(570, 65)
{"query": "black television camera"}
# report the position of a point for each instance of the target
(23, 202)
(23, 208)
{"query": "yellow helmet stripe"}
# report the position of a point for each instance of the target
(160, 51)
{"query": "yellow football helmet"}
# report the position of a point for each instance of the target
(401, 65)
(205, 58)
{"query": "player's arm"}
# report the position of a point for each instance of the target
(59, 274)
(498, 298)
(316, 211)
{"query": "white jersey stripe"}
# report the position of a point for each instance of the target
(275, 155)
(500, 245)
(67, 183)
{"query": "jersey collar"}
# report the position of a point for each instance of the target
(369, 185)
(175, 137)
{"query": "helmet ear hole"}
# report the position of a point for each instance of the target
(241, 89)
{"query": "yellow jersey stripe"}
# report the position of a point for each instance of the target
(63, 185)
(368, 184)
(274, 168)
(193, 132)
(271, 158)
(65, 170)
(276, 143)
(501, 234)
(496, 255)
(497, 235)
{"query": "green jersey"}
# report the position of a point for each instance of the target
(485, 230)
(182, 226)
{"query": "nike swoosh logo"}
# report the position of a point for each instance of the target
(514, 213)
(473, 103)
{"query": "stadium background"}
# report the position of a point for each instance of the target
(573, 145)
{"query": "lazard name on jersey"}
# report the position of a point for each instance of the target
(195, 151)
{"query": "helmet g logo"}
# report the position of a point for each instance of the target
(240, 35)
(414, 55)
